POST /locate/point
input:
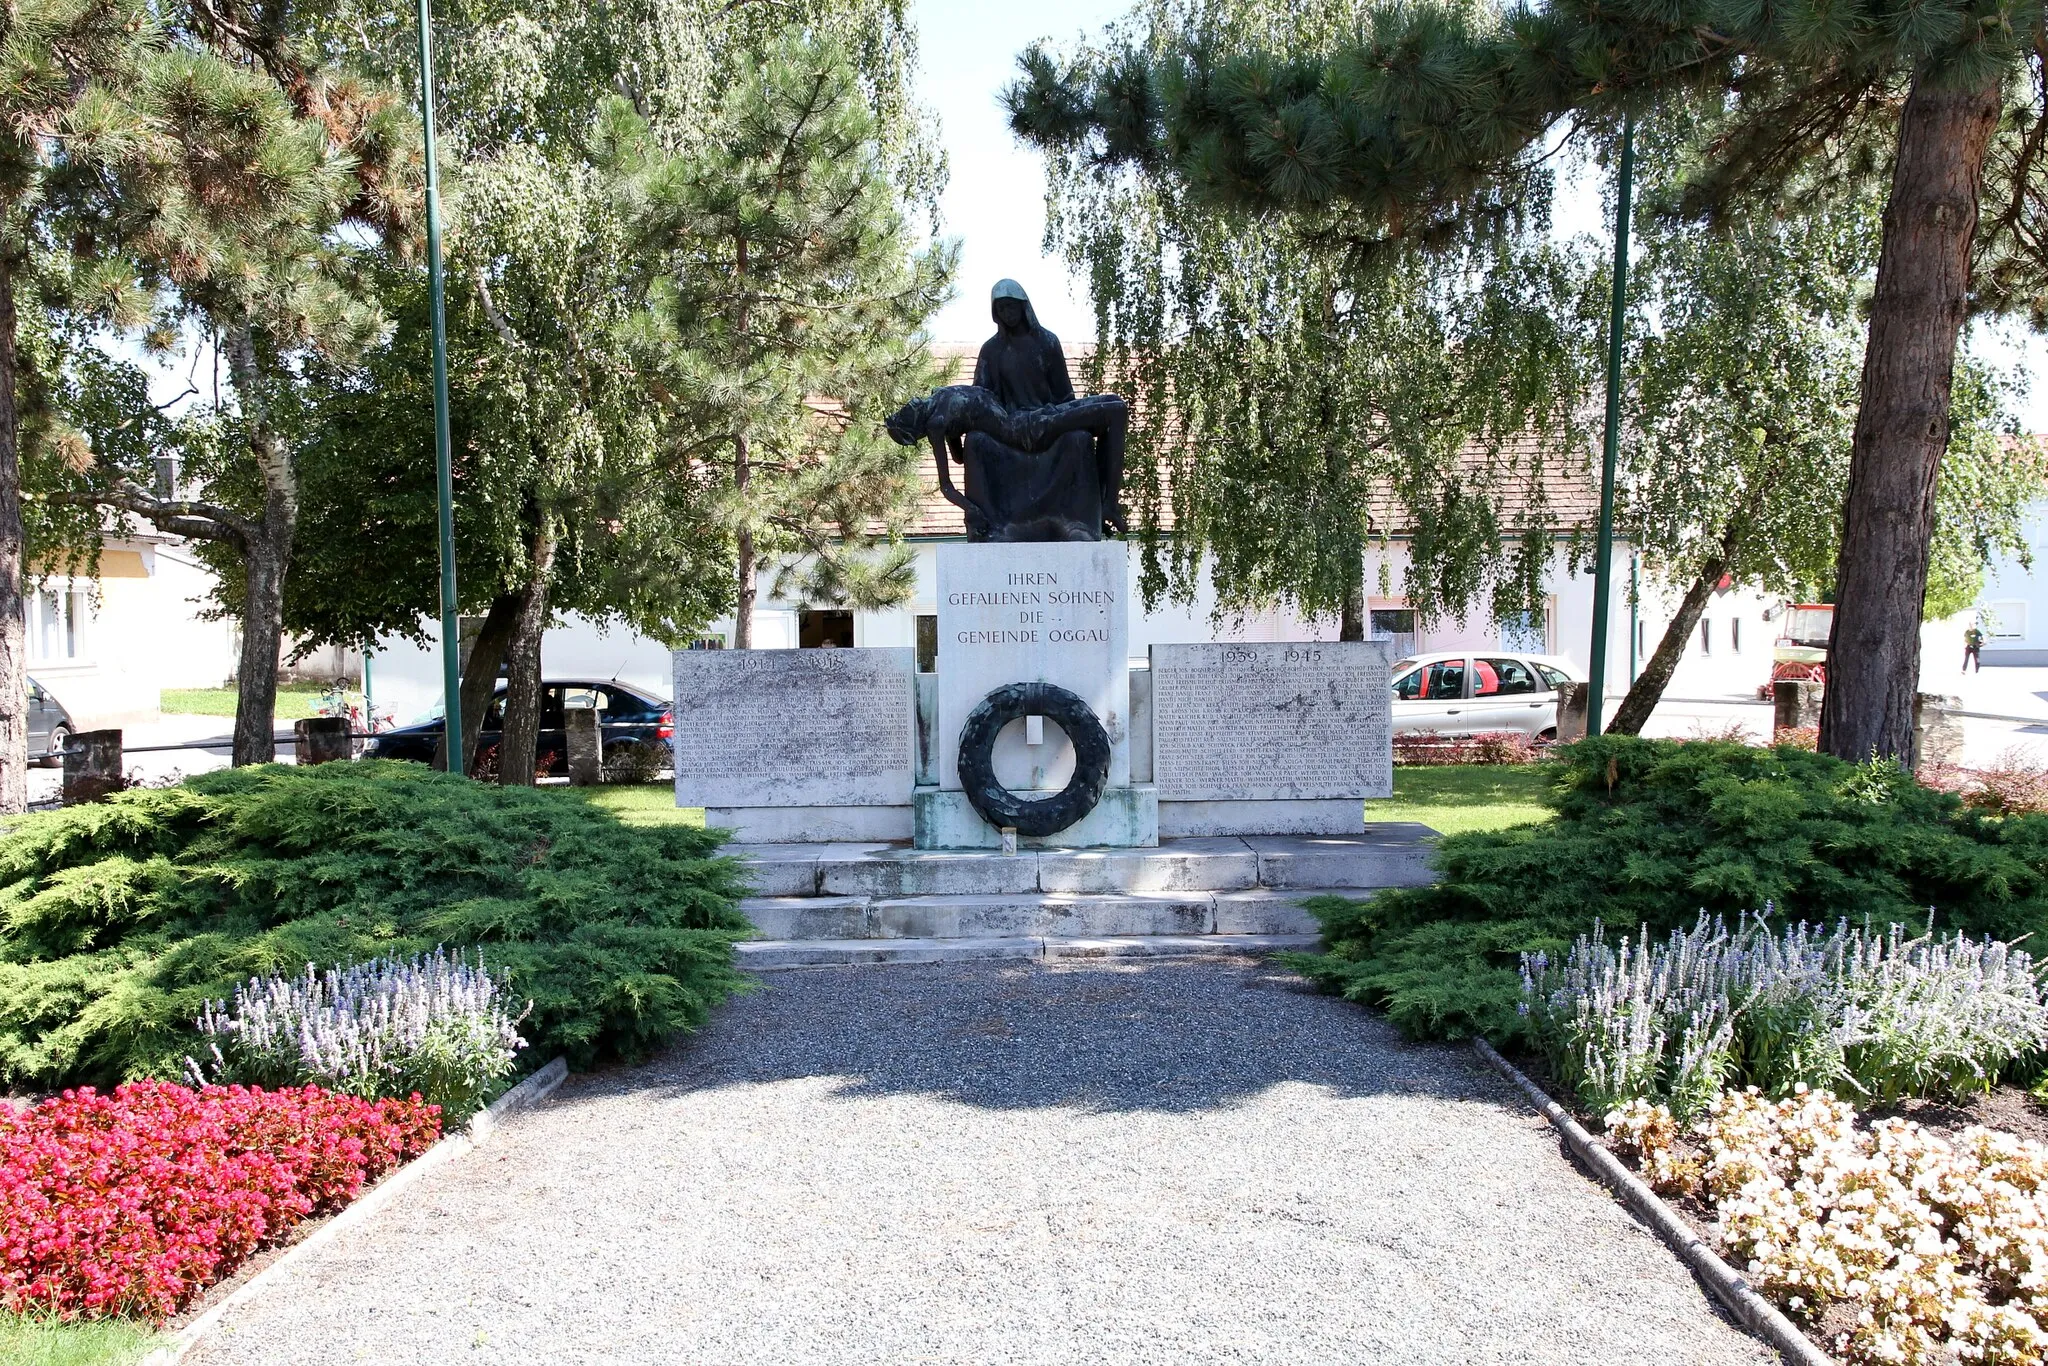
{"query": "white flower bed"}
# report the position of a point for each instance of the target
(1938, 1245)
(432, 1024)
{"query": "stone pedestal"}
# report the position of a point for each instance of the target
(797, 746)
(1255, 738)
(1795, 704)
(586, 748)
(1049, 612)
(321, 740)
(1571, 712)
(1937, 729)
(92, 766)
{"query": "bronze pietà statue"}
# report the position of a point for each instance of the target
(1039, 464)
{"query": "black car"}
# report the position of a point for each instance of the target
(49, 725)
(626, 716)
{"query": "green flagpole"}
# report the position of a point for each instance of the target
(1596, 681)
(444, 475)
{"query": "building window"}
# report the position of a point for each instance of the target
(1735, 634)
(1524, 631)
(1395, 625)
(1706, 636)
(56, 624)
(824, 630)
(2006, 620)
(708, 643)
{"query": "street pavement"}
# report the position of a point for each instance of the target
(2011, 706)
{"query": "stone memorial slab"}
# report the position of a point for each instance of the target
(1051, 612)
(1286, 722)
(794, 728)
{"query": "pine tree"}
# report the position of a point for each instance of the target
(1424, 117)
(787, 277)
(231, 216)
(1740, 403)
(581, 483)
(1297, 400)
(73, 111)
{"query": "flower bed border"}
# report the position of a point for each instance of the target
(482, 1126)
(1757, 1313)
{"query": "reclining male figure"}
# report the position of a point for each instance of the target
(949, 415)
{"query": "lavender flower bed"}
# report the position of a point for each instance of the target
(1878, 1015)
(433, 1024)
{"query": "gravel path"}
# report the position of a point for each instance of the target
(1171, 1163)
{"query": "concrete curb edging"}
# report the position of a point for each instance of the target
(482, 1126)
(1757, 1313)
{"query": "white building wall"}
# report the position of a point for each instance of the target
(1732, 662)
(2013, 606)
(106, 648)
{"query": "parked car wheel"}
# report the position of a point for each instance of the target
(60, 736)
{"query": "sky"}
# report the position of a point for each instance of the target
(995, 201)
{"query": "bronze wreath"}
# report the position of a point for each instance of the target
(1001, 807)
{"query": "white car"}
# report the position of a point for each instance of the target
(1464, 692)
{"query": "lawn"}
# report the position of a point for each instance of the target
(295, 701)
(1451, 799)
(641, 804)
(34, 1341)
(1458, 798)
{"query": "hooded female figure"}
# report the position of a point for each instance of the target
(1064, 493)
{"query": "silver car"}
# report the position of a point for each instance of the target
(1464, 692)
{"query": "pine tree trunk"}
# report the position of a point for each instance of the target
(13, 616)
(262, 640)
(1902, 429)
(266, 559)
(1648, 689)
(516, 749)
(480, 673)
(743, 610)
(742, 476)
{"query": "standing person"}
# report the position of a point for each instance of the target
(1973, 648)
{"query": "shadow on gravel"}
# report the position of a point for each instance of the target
(1172, 1037)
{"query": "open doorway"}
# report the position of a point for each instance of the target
(824, 630)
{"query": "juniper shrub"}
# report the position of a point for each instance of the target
(1654, 832)
(120, 919)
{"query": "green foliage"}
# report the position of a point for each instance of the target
(1296, 399)
(1417, 119)
(118, 919)
(785, 271)
(1653, 832)
(1742, 391)
(573, 437)
(41, 1340)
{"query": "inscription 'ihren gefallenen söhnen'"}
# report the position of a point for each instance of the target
(1031, 594)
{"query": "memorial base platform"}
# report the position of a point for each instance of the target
(1125, 818)
(816, 905)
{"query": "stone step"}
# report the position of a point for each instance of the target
(1254, 911)
(1392, 854)
(769, 955)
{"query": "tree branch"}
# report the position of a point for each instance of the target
(182, 516)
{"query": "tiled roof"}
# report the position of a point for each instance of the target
(1570, 496)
